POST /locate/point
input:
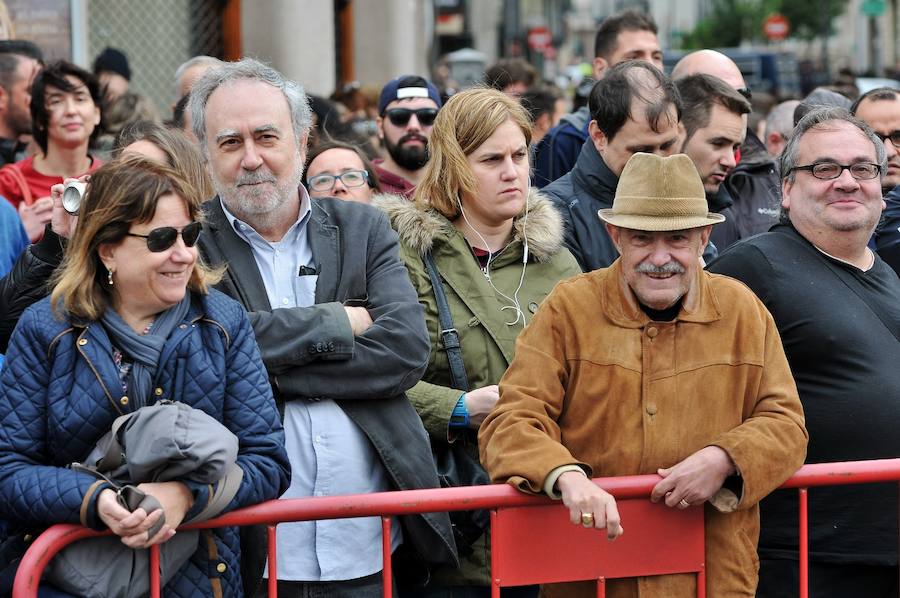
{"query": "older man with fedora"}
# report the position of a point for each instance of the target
(653, 366)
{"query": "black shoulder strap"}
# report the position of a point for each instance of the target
(449, 335)
(854, 285)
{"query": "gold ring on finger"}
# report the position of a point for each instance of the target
(587, 519)
(683, 504)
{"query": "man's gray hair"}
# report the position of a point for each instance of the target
(781, 119)
(815, 119)
(252, 70)
(199, 60)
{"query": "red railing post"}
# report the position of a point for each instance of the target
(495, 562)
(804, 542)
(154, 571)
(387, 575)
(272, 551)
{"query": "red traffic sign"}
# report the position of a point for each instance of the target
(539, 38)
(776, 27)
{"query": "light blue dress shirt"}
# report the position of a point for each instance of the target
(329, 454)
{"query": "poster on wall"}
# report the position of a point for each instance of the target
(48, 23)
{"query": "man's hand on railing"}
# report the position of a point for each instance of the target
(589, 505)
(694, 480)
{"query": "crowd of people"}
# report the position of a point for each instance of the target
(394, 289)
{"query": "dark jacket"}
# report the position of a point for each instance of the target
(755, 188)
(26, 283)
(311, 353)
(589, 187)
(887, 235)
(557, 153)
(60, 391)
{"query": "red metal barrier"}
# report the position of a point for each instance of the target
(506, 504)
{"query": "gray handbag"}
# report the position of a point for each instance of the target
(163, 442)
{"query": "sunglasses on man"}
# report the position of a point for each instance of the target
(160, 239)
(399, 117)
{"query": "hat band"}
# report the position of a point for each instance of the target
(669, 207)
(412, 92)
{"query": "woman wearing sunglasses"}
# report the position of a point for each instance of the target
(497, 247)
(27, 282)
(341, 170)
(130, 322)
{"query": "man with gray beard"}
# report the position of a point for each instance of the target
(338, 323)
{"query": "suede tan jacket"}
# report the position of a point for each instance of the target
(595, 383)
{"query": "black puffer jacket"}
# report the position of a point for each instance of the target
(27, 282)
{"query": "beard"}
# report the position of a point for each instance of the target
(408, 157)
(19, 120)
(255, 197)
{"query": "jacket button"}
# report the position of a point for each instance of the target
(123, 400)
(651, 408)
(473, 322)
(652, 332)
(158, 392)
(28, 537)
(221, 567)
(82, 341)
(533, 307)
(183, 326)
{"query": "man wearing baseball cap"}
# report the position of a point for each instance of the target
(406, 111)
(653, 366)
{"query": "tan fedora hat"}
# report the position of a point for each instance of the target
(660, 194)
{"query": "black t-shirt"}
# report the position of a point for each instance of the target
(846, 362)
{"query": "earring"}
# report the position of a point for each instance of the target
(109, 279)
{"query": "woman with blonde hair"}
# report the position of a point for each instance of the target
(132, 322)
(497, 250)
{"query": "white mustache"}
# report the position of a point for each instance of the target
(667, 268)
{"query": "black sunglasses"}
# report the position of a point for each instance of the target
(745, 91)
(160, 239)
(894, 136)
(399, 117)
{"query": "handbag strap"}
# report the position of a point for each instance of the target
(19, 178)
(854, 285)
(449, 334)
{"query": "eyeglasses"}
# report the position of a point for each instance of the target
(350, 178)
(826, 171)
(399, 117)
(160, 239)
(894, 136)
(746, 92)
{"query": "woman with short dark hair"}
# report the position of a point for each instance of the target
(65, 119)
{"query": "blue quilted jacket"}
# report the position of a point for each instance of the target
(60, 391)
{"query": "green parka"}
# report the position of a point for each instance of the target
(483, 317)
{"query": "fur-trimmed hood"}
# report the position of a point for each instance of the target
(419, 228)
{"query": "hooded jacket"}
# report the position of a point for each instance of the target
(481, 313)
(588, 187)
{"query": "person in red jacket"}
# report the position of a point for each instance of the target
(65, 114)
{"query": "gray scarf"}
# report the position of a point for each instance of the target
(144, 350)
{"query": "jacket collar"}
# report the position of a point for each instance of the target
(621, 306)
(420, 228)
(719, 200)
(592, 174)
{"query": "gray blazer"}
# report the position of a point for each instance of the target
(310, 352)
